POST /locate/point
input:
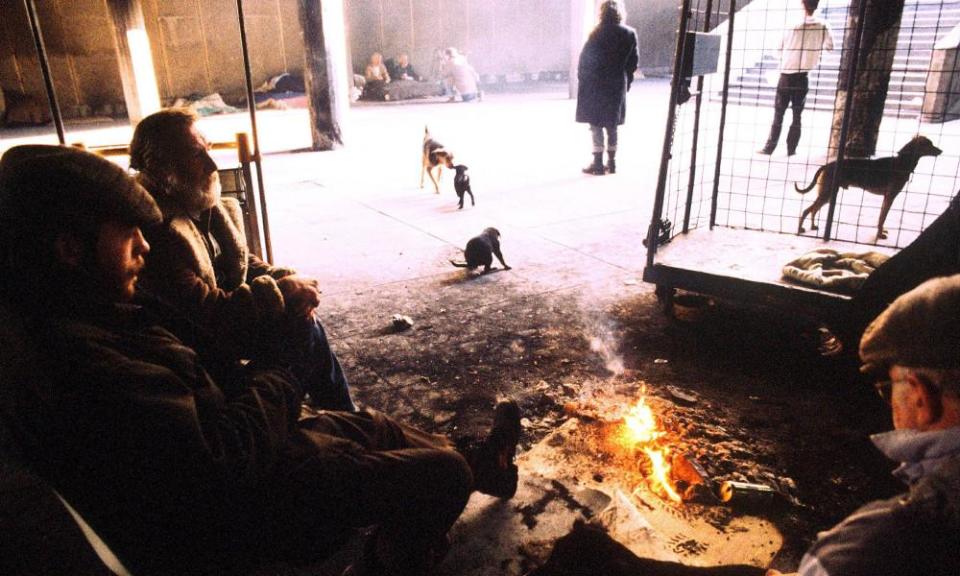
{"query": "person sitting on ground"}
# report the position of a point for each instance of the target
(460, 76)
(201, 263)
(179, 470)
(403, 69)
(377, 77)
(913, 349)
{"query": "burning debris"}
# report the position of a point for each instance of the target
(680, 451)
(634, 447)
(641, 433)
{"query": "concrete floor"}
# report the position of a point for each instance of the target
(356, 218)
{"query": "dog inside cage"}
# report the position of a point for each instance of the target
(830, 128)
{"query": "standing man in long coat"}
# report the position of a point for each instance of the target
(607, 64)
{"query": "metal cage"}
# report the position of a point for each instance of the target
(725, 218)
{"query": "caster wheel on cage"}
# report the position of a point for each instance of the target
(665, 296)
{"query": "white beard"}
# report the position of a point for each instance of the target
(197, 197)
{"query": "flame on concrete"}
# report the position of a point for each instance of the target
(641, 431)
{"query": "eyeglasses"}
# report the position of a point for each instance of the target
(884, 388)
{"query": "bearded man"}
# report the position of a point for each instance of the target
(201, 263)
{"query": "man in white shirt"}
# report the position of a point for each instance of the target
(800, 50)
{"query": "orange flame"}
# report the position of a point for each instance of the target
(641, 424)
(641, 430)
(661, 473)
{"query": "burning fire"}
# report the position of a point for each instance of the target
(641, 431)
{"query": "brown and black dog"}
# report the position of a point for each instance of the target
(434, 156)
(884, 176)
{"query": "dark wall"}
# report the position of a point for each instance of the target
(195, 44)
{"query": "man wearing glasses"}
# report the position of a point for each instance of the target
(913, 348)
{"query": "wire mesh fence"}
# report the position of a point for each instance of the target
(903, 72)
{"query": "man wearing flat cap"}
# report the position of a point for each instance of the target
(913, 351)
(180, 465)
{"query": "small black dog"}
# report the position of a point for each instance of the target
(461, 183)
(480, 251)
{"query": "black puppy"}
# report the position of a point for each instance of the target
(461, 183)
(480, 251)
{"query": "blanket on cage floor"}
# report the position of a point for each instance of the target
(835, 271)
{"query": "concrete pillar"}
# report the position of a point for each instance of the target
(881, 26)
(940, 100)
(137, 73)
(583, 17)
(326, 71)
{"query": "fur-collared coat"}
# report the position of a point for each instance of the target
(238, 301)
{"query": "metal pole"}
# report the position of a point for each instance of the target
(723, 115)
(653, 231)
(45, 69)
(696, 134)
(252, 105)
(845, 123)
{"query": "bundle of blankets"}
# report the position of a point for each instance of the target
(835, 271)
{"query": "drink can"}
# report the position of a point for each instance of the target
(745, 494)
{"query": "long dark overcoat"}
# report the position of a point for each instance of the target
(607, 63)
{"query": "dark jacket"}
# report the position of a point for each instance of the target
(122, 418)
(607, 64)
(397, 71)
(917, 533)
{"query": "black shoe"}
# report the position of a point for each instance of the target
(596, 168)
(506, 426)
(765, 151)
(491, 459)
(611, 163)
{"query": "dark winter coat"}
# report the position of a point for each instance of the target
(122, 419)
(607, 64)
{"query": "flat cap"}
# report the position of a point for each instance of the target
(921, 329)
(55, 187)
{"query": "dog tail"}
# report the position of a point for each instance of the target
(459, 264)
(812, 184)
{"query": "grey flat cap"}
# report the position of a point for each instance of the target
(921, 329)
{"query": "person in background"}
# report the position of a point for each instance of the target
(403, 69)
(605, 72)
(377, 77)
(800, 50)
(460, 76)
